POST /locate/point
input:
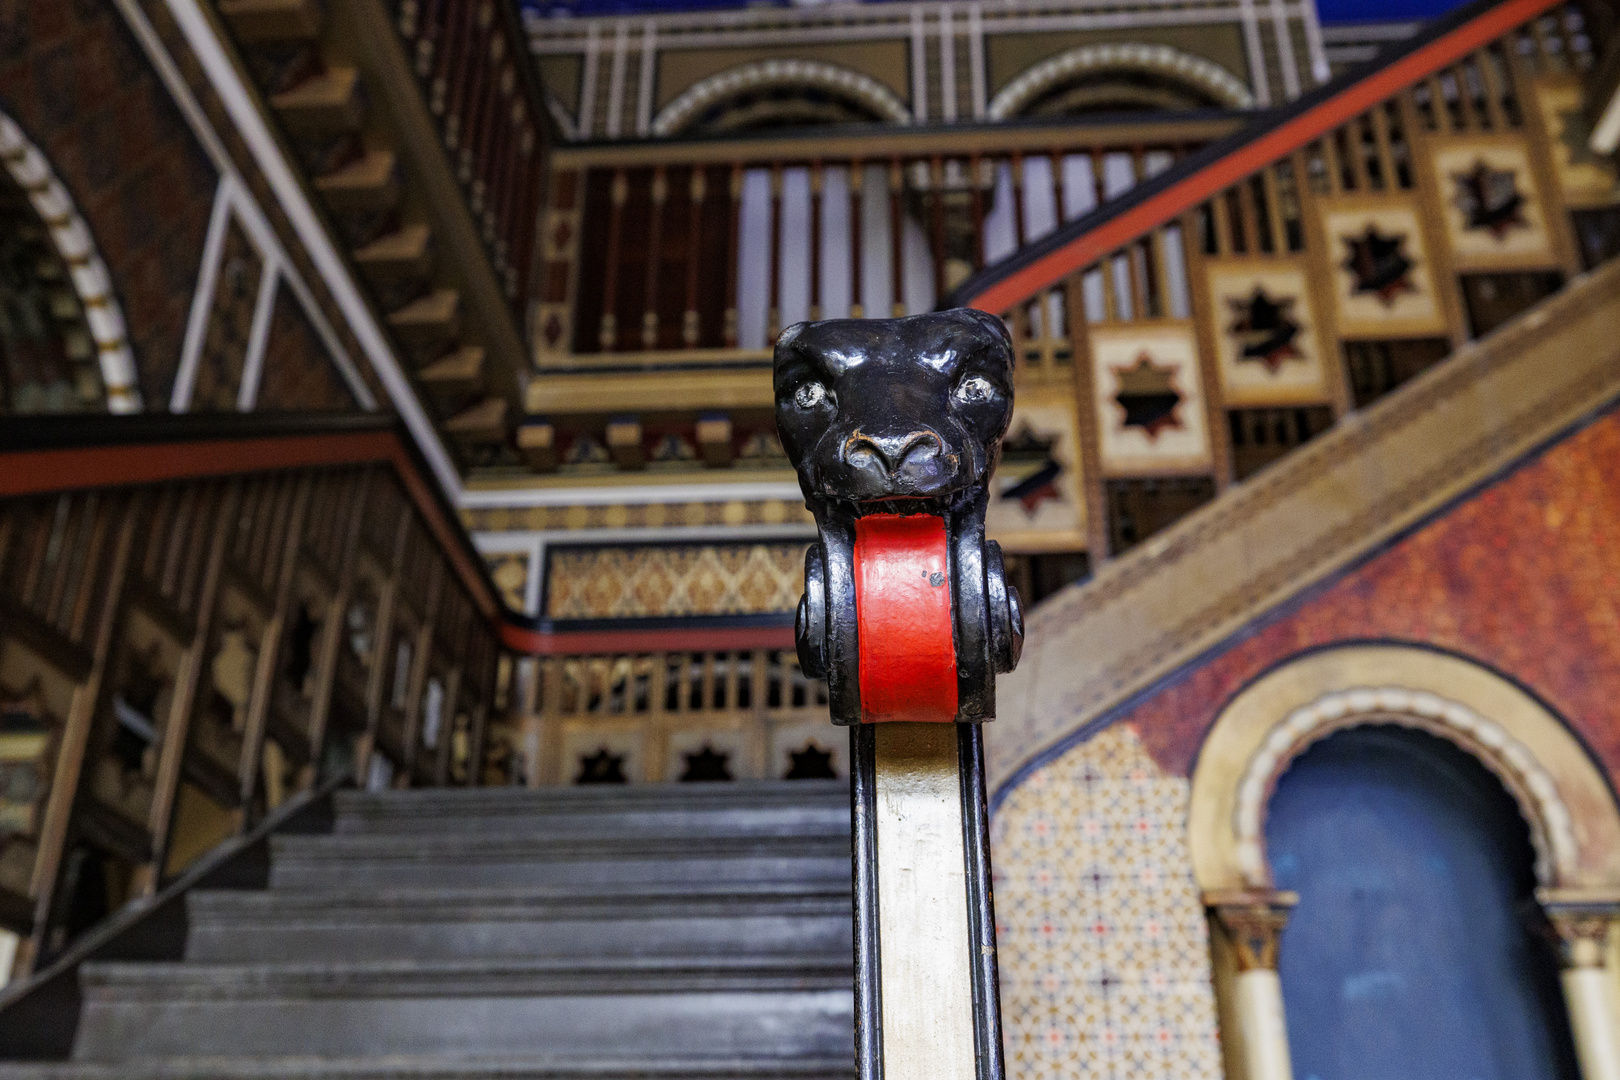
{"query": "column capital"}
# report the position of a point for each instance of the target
(1254, 920)
(1580, 921)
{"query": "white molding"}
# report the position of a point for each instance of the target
(621, 54)
(1313, 41)
(976, 73)
(919, 66)
(521, 498)
(1285, 49)
(1256, 54)
(249, 214)
(71, 237)
(264, 307)
(644, 83)
(202, 299)
(243, 109)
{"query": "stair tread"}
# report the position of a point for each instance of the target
(542, 901)
(334, 86)
(374, 168)
(408, 242)
(115, 983)
(415, 1067)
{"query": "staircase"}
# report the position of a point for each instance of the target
(669, 931)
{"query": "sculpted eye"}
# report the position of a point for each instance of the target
(975, 388)
(809, 395)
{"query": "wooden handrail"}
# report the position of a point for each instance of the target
(43, 454)
(1035, 267)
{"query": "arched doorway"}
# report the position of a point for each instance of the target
(1409, 955)
(1566, 811)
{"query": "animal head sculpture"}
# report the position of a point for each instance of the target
(884, 411)
(900, 417)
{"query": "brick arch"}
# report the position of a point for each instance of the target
(71, 236)
(1564, 798)
(1202, 76)
(811, 74)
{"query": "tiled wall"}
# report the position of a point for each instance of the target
(1105, 962)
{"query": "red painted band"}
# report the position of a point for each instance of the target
(903, 618)
(1268, 147)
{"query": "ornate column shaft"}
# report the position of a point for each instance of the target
(1581, 922)
(1254, 921)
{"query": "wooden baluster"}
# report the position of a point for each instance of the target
(1276, 219)
(609, 336)
(655, 227)
(975, 179)
(773, 319)
(897, 186)
(1250, 214)
(1140, 307)
(936, 180)
(1059, 209)
(1112, 311)
(448, 69)
(690, 327)
(1495, 91)
(815, 239)
(733, 234)
(1018, 200)
(1443, 119)
(857, 245)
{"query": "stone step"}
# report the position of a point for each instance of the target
(744, 808)
(403, 1067)
(229, 927)
(666, 1007)
(348, 861)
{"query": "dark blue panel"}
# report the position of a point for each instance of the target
(1409, 956)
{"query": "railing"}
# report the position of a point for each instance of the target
(694, 716)
(471, 61)
(1231, 308)
(703, 251)
(200, 618)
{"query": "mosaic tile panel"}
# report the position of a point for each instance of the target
(1105, 963)
(638, 515)
(672, 581)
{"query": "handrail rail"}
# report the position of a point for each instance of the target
(43, 454)
(1201, 175)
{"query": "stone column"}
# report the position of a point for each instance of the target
(1254, 921)
(1581, 923)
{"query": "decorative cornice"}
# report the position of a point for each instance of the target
(70, 234)
(1161, 60)
(1378, 473)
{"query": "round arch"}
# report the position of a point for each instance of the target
(1563, 796)
(1204, 77)
(70, 234)
(863, 90)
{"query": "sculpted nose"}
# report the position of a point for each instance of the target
(890, 452)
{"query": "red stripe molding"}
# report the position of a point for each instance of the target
(1023, 284)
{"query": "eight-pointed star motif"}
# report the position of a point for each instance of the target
(1030, 454)
(602, 767)
(1265, 329)
(811, 763)
(1379, 264)
(1148, 396)
(706, 764)
(1490, 199)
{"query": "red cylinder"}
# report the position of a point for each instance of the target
(903, 617)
